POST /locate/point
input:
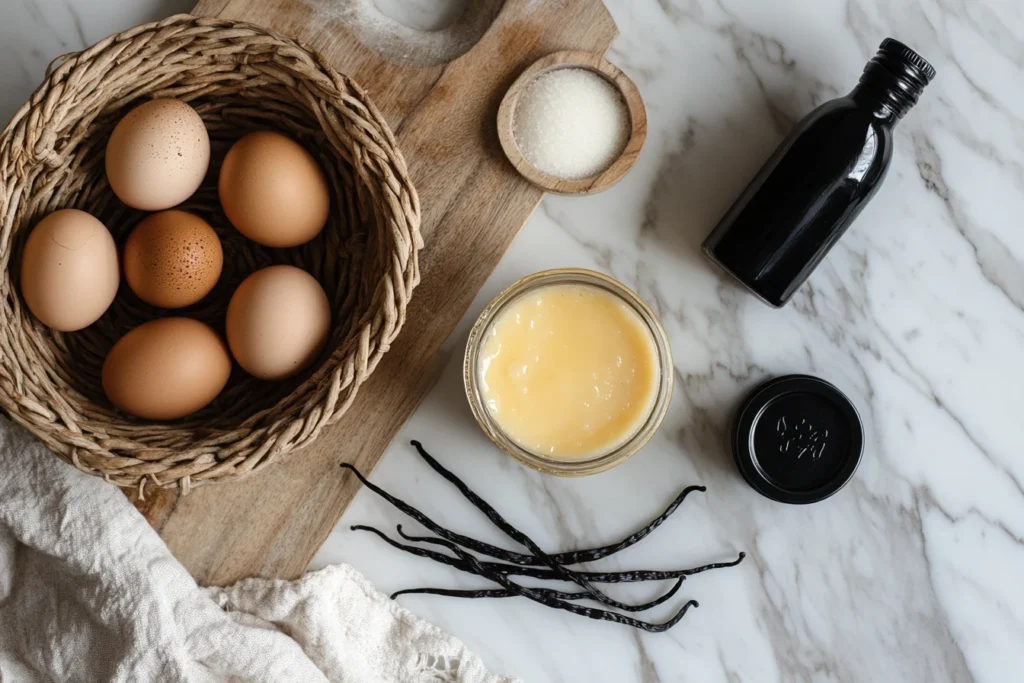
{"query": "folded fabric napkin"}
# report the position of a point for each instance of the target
(89, 592)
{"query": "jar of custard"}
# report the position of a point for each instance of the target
(569, 371)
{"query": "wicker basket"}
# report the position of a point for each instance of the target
(240, 78)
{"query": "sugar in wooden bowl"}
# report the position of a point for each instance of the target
(572, 123)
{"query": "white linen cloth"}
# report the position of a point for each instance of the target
(89, 592)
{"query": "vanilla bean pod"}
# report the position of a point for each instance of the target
(468, 593)
(631, 576)
(537, 572)
(519, 537)
(505, 593)
(590, 612)
(560, 572)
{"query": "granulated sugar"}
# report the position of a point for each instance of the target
(571, 123)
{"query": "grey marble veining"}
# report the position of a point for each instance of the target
(911, 573)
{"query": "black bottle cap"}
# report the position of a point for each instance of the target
(895, 77)
(895, 48)
(797, 439)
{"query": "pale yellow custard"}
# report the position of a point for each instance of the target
(568, 371)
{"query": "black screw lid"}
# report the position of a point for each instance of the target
(896, 49)
(797, 439)
(894, 78)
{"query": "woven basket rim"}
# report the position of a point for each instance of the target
(29, 139)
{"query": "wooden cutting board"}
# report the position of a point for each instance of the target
(473, 204)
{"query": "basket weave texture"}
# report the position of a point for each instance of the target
(240, 78)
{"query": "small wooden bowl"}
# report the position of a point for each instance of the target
(634, 106)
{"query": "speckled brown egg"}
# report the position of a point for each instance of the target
(172, 259)
(273, 191)
(157, 155)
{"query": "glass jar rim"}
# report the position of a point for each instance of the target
(582, 466)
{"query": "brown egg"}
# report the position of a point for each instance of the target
(69, 272)
(277, 322)
(166, 369)
(273, 191)
(157, 155)
(172, 259)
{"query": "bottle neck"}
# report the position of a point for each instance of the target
(892, 81)
(877, 102)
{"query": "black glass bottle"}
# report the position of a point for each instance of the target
(818, 180)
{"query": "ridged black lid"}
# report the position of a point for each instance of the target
(896, 49)
(894, 78)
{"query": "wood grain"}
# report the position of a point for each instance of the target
(630, 97)
(473, 203)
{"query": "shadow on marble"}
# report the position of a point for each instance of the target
(450, 392)
(698, 182)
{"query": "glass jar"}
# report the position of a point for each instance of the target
(588, 464)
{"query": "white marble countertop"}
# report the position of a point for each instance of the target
(912, 572)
